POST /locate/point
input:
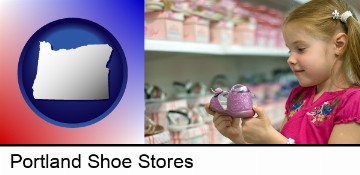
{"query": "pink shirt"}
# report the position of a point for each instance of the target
(312, 122)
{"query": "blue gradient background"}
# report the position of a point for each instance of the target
(20, 19)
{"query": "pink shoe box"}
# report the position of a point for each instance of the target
(221, 32)
(263, 26)
(274, 19)
(158, 111)
(244, 30)
(262, 33)
(161, 138)
(195, 135)
(196, 29)
(244, 33)
(165, 25)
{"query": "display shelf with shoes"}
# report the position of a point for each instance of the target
(198, 106)
(168, 60)
(188, 89)
(198, 101)
(161, 138)
(207, 118)
(157, 111)
(195, 135)
(183, 118)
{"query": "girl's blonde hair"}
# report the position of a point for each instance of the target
(316, 15)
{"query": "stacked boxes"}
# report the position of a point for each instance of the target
(166, 25)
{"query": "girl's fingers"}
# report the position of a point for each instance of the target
(208, 110)
(259, 111)
(218, 118)
(236, 122)
(223, 124)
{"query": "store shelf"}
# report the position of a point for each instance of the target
(216, 49)
(181, 46)
(259, 51)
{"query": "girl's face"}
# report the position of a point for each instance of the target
(311, 59)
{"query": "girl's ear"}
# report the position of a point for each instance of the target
(340, 41)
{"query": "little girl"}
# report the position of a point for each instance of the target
(323, 37)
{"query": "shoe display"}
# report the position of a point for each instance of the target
(183, 118)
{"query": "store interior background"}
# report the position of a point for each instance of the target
(261, 65)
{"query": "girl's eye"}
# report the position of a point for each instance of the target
(301, 49)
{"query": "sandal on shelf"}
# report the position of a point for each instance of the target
(154, 93)
(202, 112)
(238, 102)
(189, 89)
(151, 128)
(151, 7)
(221, 81)
(181, 119)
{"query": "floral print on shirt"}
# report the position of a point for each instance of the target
(296, 104)
(323, 113)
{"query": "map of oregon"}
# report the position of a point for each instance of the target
(72, 74)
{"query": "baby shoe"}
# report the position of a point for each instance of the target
(238, 102)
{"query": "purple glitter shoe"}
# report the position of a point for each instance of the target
(238, 102)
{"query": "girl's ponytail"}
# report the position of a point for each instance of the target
(352, 51)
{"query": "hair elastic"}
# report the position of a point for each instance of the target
(343, 17)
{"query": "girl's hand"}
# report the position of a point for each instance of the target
(228, 126)
(257, 129)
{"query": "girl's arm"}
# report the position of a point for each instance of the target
(345, 133)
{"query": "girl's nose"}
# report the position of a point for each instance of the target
(291, 60)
